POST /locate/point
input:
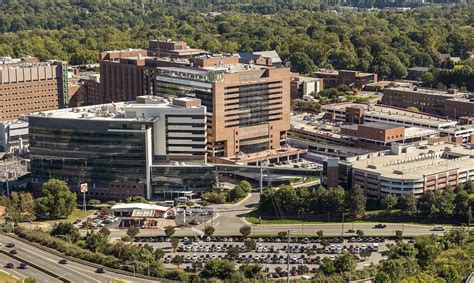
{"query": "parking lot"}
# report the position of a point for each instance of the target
(271, 253)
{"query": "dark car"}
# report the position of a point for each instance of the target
(195, 222)
(100, 270)
(63, 261)
(9, 265)
(77, 221)
(10, 245)
(23, 265)
(380, 226)
(13, 252)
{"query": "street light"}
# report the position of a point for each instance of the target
(262, 163)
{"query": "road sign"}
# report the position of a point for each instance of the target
(84, 188)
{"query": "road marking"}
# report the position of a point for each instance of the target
(60, 266)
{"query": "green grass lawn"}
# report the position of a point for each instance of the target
(76, 214)
(7, 278)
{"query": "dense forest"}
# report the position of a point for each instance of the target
(387, 42)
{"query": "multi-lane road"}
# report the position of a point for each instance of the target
(72, 271)
(229, 218)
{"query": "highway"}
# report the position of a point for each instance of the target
(25, 273)
(229, 218)
(73, 271)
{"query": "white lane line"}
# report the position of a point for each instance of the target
(61, 266)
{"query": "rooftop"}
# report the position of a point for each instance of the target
(381, 126)
(419, 162)
(451, 92)
(110, 111)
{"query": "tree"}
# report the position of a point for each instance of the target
(320, 233)
(246, 186)
(251, 271)
(250, 244)
(132, 231)
(96, 242)
(209, 231)
(449, 273)
(392, 270)
(237, 193)
(387, 64)
(169, 231)
(68, 230)
(428, 249)
(245, 230)
(177, 260)
(174, 243)
(282, 234)
(360, 233)
(407, 204)
(19, 206)
(217, 268)
(104, 231)
(398, 233)
(462, 204)
(355, 201)
(389, 201)
(334, 200)
(159, 254)
(301, 63)
(327, 266)
(56, 200)
(233, 252)
(469, 187)
(344, 263)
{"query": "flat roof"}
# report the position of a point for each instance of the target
(419, 162)
(131, 206)
(381, 126)
(430, 91)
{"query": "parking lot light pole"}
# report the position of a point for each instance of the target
(288, 257)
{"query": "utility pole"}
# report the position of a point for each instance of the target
(288, 257)
(6, 180)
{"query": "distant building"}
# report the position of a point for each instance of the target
(449, 103)
(414, 170)
(354, 79)
(28, 85)
(173, 49)
(147, 148)
(13, 135)
(416, 73)
(301, 86)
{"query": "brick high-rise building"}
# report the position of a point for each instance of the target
(28, 85)
(248, 104)
(121, 74)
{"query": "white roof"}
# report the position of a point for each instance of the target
(120, 206)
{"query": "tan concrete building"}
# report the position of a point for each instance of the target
(414, 170)
(27, 85)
